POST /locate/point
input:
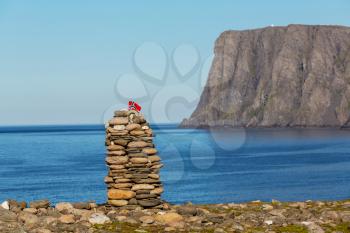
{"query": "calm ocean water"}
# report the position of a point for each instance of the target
(66, 163)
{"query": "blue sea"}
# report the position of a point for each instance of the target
(66, 163)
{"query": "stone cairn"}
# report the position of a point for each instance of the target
(132, 161)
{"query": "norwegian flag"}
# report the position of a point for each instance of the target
(134, 106)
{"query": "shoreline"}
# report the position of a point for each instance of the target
(180, 126)
(255, 216)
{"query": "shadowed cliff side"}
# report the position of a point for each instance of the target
(294, 76)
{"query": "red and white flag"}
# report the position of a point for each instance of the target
(134, 106)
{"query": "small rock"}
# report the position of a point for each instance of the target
(137, 144)
(149, 203)
(82, 205)
(120, 218)
(121, 142)
(67, 219)
(42, 230)
(344, 216)
(275, 202)
(121, 113)
(346, 204)
(142, 186)
(120, 194)
(28, 218)
(330, 215)
(131, 221)
(219, 230)
(168, 229)
(39, 204)
(157, 190)
(139, 160)
(216, 219)
(267, 207)
(118, 203)
(147, 219)
(64, 206)
(115, 148)
(187, 210)
(133, 126)
(268, 222)
(153, 176)
(169, 218)
(117, 160)
(154, 158)
(313, 227)
(99, 218)
(7, 216)
(31, 210)
(238, 227)
(132, 201)
(93, 205)
(277, 212)
(48, 220)
(108, 179)
(300, 205)
(149, 151)
(5, 205)
(119, 121)
(119, 127)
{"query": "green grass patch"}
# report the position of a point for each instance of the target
(342, 227)
(292, 229)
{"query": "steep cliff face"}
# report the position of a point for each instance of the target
(290, 76)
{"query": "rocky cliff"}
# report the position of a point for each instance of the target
(293, 76)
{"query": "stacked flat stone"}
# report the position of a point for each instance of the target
(132, 161)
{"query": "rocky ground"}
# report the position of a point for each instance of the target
(256, 216)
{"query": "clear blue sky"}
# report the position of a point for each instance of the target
(59, 59)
